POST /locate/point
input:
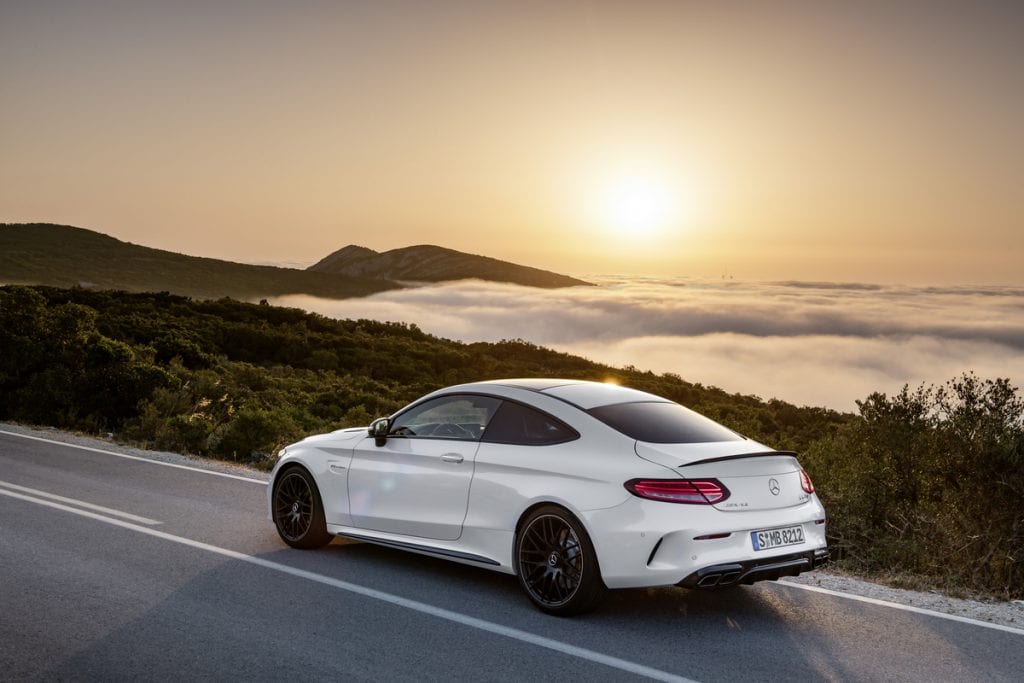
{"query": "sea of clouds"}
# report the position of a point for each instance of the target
(811, 343)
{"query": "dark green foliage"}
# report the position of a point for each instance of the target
(930, 482)
(57, 368)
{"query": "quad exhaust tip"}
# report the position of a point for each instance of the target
(730, 574)
(721, 575)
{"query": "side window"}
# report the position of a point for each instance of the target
(447, 417)
(517, 424)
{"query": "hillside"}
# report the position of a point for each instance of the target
(296, 364)
(66, 256)
(428, 263)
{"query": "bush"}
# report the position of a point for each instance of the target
(930, 483)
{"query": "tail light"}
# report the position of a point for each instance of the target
(805, 482)
(692, 491)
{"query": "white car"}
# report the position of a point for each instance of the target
(575, 487)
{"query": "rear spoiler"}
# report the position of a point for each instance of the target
(758, 454)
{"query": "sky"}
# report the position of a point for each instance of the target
(817, 344)
(872, 142)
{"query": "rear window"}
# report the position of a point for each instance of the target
(662, 423)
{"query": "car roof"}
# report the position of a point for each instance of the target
(585, 395)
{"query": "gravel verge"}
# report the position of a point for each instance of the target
(989, 611)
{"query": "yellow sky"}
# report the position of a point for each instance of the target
(826, 141)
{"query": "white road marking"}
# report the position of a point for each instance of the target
(135, 457)
(905, 608)
(80, 503)
(415, 605)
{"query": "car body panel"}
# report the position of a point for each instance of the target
(766, 482)
(757, 477)
(411, 486)
(327, 457)
(589, 395)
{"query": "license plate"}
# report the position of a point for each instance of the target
(776, 538)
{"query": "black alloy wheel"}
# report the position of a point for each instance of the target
(298, 512)
(557, 565)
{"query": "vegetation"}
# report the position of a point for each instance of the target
(930, 484)
(928, 481)
(64, 256)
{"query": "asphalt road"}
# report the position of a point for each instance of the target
(114, 568)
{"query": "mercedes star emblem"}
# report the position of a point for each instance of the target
(773, 486)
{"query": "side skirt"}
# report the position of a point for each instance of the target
(425, 549)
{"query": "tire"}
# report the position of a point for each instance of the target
(556, 563)
(298, 511)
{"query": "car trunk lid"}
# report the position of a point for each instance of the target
(757, 478)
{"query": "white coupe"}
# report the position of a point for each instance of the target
(574, 487)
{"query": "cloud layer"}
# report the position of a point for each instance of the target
(809, 343)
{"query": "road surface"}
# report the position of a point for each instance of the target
(114, 567)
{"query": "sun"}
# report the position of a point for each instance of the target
(638, 205)
(633, 205)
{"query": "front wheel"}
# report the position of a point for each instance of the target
(556, 563)
(298, 511)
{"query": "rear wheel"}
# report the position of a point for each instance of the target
(298, 511)
(556, 563)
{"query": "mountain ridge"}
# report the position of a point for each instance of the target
(69, 256)
(432, 263)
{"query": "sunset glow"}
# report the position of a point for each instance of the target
(860, 143)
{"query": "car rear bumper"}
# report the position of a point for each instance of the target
(666, 544)
(747, 572)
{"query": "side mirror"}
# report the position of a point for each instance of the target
(379, 430)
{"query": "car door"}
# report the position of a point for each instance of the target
(416, 483)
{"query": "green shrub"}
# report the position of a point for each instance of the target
(930, 482)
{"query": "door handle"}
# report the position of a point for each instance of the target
(452, 457)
